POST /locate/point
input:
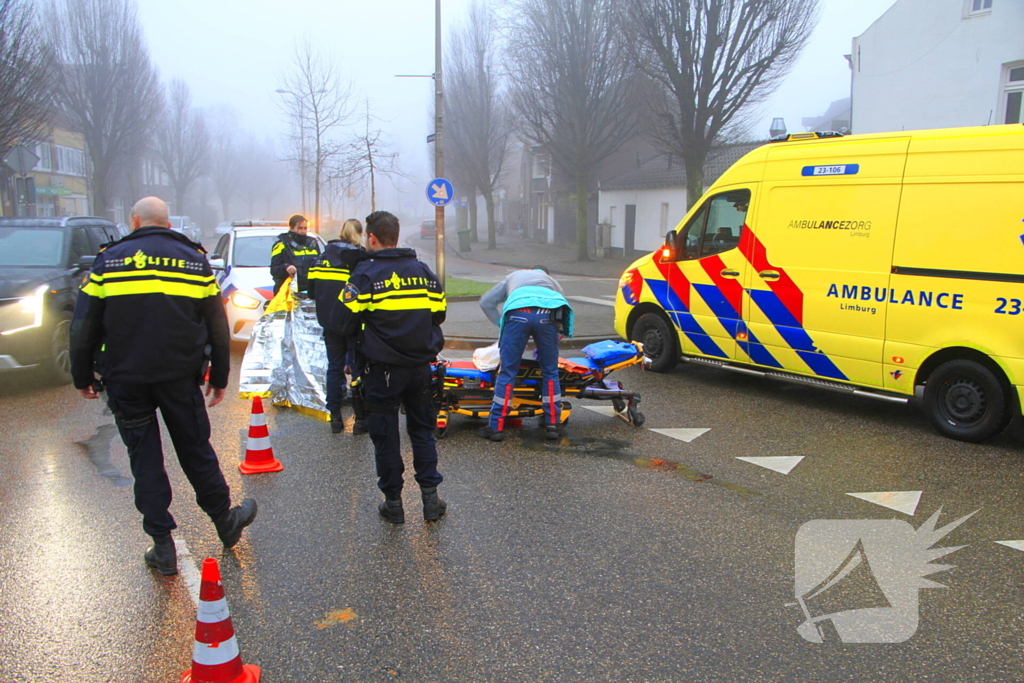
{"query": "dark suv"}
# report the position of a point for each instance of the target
(42, 263)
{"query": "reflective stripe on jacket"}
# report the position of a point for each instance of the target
(329, 275)
(395, 306)
(153, 304)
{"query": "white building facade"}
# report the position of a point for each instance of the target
(939, 64)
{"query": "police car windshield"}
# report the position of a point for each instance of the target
(253, 251)
(31, 246)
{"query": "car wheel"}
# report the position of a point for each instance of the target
(966, 401)
(58, 366)
(659, 339)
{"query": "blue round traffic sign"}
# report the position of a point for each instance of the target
(440, 192)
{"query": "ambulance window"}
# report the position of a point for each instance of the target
(727, 213)
(689, 237)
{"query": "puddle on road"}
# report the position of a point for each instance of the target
(616, 449)
(97, 447)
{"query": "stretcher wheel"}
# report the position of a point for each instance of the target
(441, 432)
(619, 405)
(636, 418)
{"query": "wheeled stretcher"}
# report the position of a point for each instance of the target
(460, 387)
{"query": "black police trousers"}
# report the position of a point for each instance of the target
(384, 388)
(184, 411)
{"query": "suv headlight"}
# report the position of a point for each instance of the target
(24, 313)
(243, 300)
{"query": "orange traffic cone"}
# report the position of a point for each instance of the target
(259, 456)
(215, 656)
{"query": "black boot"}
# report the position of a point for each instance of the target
(391, 509)
(487, 433)
(230, 524)
(433, 507)
(163, 556)
(550, 432)
(359, 427)
(337, 423)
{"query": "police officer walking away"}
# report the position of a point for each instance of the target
(293, 253)
(327, 278)
(149, 317)
(395, 305)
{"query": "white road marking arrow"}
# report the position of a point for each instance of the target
(686, 434)
(900, 501)
(603, 410)
(781, 464)
(440, 191)
(1016, 545)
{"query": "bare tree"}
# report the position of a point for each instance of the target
(710, 61)
(27, 80)
(479, 116)
(108, 87)
(367, 158)
(322, 104)
(572, 87)
(182, 142)
(225, 161)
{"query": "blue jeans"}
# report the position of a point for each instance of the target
(520, 325)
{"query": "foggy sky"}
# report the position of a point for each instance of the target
(236, 52)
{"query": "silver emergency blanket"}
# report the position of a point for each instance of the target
(286, 360)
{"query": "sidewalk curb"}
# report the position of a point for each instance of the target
(471, 343)
(523, 266)
(461, 299)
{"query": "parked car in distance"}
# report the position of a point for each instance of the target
(428, 230)
(241, 261)
(186, 227)
(42, 264)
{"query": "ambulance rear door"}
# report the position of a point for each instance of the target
(819, 255)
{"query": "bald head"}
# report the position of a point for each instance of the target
(150, 211)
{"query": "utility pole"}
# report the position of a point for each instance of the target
(438, 139)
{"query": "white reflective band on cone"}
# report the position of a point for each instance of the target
(261, 443)
(216, 654)
(257, 419)
(212, 611)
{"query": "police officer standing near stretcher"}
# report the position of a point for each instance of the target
(150, 316)
(395, 306)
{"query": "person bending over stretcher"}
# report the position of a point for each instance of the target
(527, 303)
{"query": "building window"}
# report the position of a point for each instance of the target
(664, 218)
(975, 7)
(541, 165)
(1013, 94)
(43, 152)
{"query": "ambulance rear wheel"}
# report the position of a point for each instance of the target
(659, 340)
(966, 401)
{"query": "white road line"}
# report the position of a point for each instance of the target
(591, 300)
(900, 501)
(783, 464)
(1016, 545)
(607, 411)
(685, 434)
(188, 570)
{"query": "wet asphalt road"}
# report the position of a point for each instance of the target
(617, 554)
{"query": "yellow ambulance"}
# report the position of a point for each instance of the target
(868, 264)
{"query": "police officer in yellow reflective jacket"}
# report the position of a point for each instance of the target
(327, 279)
(395, 306)
(148, 319)
(293, 253)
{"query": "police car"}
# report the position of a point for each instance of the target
(241, 260)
